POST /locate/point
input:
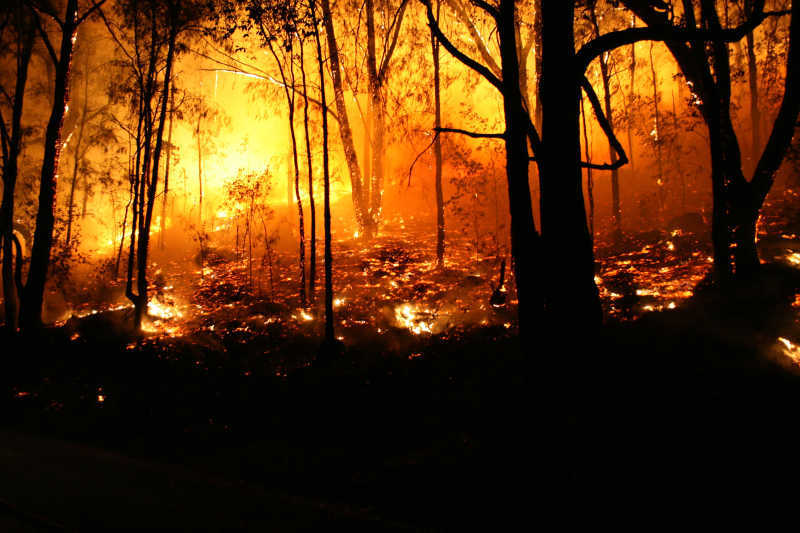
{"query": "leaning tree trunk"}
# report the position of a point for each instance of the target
(33, 294)
(345, 131)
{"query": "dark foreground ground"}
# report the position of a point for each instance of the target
(661, 415)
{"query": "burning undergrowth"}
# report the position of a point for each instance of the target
(390, 294)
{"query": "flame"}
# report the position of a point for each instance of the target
(406, 316)
(163, 311)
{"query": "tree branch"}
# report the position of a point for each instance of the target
(491, 10)
(45, 38)
(397, 22)
(668, 32)
(95, 7)
(474, 135)
(476, 37)
(607, 129)
(468, 61)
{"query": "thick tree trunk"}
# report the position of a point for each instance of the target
(33, 295)
(525, 241)
(748, 200)
(571, 296)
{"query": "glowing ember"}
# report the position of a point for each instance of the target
(794, 258)
(790, 350)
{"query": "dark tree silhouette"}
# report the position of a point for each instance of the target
(737, 201)
(22, 33)
(33, 292)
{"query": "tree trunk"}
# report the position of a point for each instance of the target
(571, 296)
(33, 294)
(377, 113)
(748, 200)
(525, 241)
(437, 148)
(298, 199)
(752, 76)
(77, 152)
(345, 132)
(616, 214)
(657, 138)
(144, 236)
(163, 235)
(10, 170)
(329, 335)
(312, 260)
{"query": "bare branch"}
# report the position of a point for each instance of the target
(607, 129)
(397, 22)
(95, 7)
(491, 10)
(475, 36)
(473, 134)
(455, 52)
(47, 10)
(45, 38)
(668, 32)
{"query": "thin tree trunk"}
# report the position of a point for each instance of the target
(312, 260)
(329, 333)
(377, 112)
(657, 137)
(77, 152)
(199, 170)
(589, 177)
(144, 236)
(752, 76)
(301, 222)
(166, 169)
(616, 214)
(437, 148)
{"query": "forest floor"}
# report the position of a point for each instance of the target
(434, 417)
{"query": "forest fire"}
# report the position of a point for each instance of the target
(231, 230)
